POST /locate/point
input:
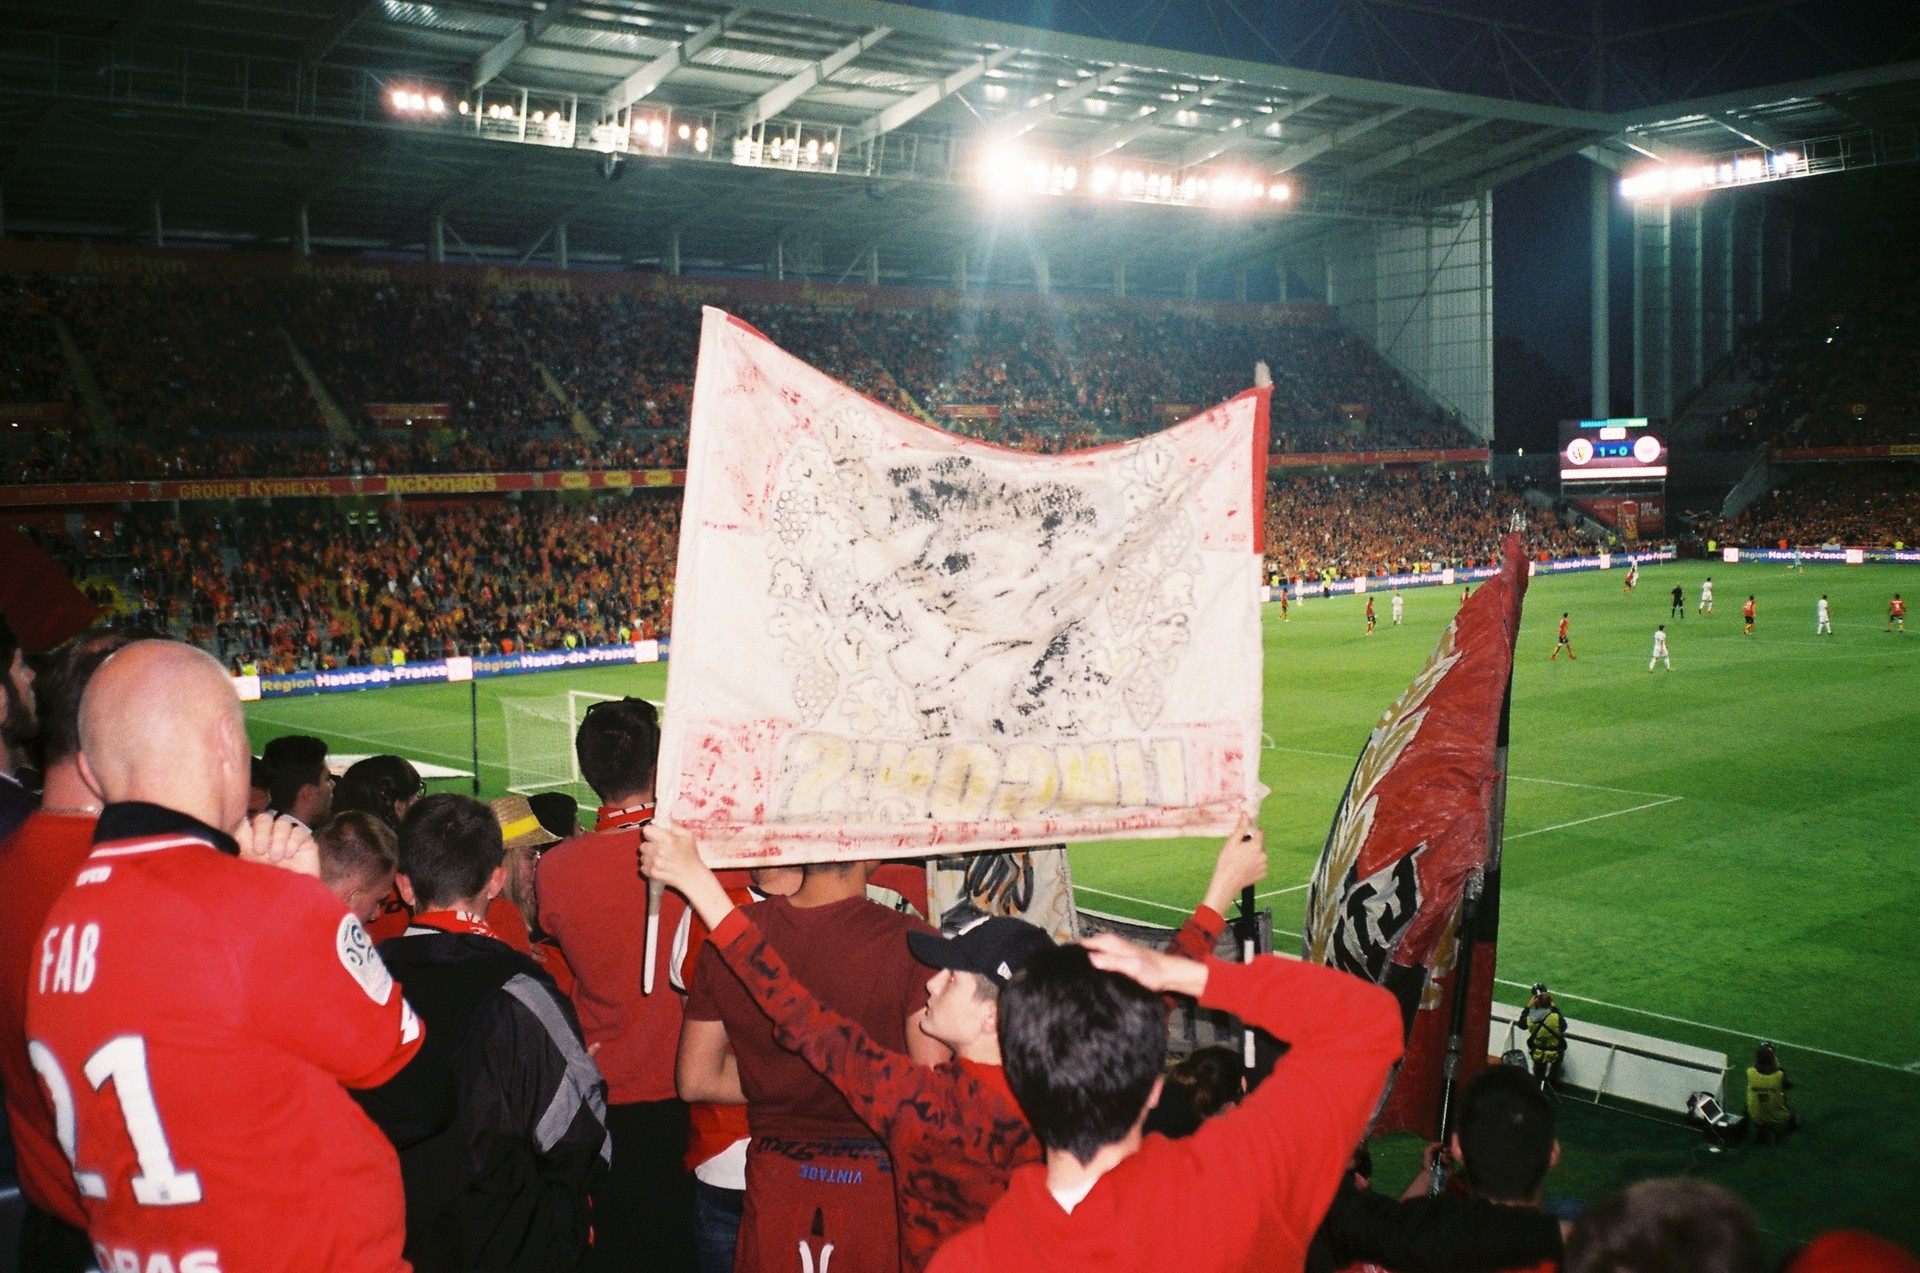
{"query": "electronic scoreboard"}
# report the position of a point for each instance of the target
(1610, 451)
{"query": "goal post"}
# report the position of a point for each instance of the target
(540, 734)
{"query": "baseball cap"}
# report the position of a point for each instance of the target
(995, 947)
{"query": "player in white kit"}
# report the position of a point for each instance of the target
(1660, 648)
(1822, 621)
(1399, 607)
(1706, 596)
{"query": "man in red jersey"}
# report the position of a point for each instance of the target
(225, 1001)
(594, 904)
(37, 862)
(1083, 1035)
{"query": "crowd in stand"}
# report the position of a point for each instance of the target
(295, 588)
(480, 1077)
(1339, 525)
(1852, 505)
(201, 378)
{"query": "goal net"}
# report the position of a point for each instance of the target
(540, 732)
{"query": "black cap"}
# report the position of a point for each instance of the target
(996, 948)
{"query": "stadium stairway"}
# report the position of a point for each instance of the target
(1725, 392)
(99, 416)
(576, 418)
(339, 427)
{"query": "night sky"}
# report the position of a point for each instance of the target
(1540, 222)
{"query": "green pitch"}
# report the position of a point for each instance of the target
(1719, 854)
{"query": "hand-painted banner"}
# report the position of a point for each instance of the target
(894, 641)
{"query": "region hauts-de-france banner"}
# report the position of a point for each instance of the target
(889, 641)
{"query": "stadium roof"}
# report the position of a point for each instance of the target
(818, 137)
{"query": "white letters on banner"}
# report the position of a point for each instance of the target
(892, 641)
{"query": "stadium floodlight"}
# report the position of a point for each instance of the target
(1680, 179)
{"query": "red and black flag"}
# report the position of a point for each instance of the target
(1417, 835)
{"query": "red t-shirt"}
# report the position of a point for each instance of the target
(1747, 610)
(1250, 1187)
(953, 1131)
(594, 904)
(37, 862)
(226, 1003)
(852, 957)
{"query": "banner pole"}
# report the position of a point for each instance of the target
(1482, 885)
(473, 731)
(1249, 938)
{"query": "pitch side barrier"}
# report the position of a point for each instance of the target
(1308, 589)
(1845, 556)
(462, 668)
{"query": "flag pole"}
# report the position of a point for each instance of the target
(1481, 902)
(1249, 938)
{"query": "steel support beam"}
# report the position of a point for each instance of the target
(1293, 156)
(1411, 150)
(1218, 143)
(302, 233)
(908, 108)
(1007, 127)
(501, 55)
(672, 263)
(1112, 139)
(791, 90)
(328, 37)
(1599, 311)
(654, 73)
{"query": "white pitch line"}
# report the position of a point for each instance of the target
(1551, 782)
(1698, 1025)
(1137, 901)
(358, 738)
(1282, 891)
(1561, 826)
(1720, 1029)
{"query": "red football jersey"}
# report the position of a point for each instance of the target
(192, 1018)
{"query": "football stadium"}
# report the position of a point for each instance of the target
(660, 478)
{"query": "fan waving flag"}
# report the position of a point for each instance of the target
(892, 641)
(1419, 830)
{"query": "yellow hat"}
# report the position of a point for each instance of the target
(518, 827)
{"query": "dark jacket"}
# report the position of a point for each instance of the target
(1447, 1234)
(500, 1121)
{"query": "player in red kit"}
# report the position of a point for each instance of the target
(224, 1002)
(1896, 614)
(1746, 612)
(1369, 616)
(1563, 643)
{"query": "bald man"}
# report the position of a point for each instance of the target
(224, 1002)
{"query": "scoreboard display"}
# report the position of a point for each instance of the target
(1610, 451)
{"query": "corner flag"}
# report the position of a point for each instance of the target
(1418, 834)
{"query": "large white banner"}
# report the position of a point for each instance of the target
(890, 641)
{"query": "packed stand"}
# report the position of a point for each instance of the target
(1855, 505)
(1340, 525)
(32, 367)
(296, 588)
(202, 383)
